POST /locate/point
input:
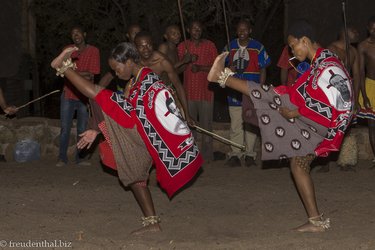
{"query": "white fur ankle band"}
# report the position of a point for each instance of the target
(68, 63)
(224, 77)
(150, 220)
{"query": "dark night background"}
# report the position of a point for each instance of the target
(34, 31)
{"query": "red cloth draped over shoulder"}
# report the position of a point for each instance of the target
(324, 94)
(169, 141)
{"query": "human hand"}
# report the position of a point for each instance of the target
(195, 68)
(357, 107)
(194, 58)
(10, 110)
(366, 102)
(288, 113)
(87, 138)
(187, 58)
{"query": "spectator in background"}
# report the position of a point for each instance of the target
(290, 68)
(366, 50)
(199, 95)
(9, 110)
(287, 72)
(118, 84)
(160, 64)
(348, 155)
(248, 59)
(172, 38)
(132, 31)
(87, 60)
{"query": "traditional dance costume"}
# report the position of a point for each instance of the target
(151, 125)
(323, 96)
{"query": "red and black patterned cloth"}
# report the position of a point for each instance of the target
(323, 96)
(151, 108)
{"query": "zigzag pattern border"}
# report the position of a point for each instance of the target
(173, 164)
(315, 104)
(122, 103)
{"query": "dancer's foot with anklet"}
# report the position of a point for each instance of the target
(217, 67)
(154, 228)
(316, 224)
(309, 228)
(65, 54)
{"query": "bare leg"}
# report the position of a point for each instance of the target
(216, 72)
(86, 87)
(63, 56)
(217, 67)
(143, 196)
(300, 168)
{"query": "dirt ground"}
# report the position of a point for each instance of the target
(225, 208)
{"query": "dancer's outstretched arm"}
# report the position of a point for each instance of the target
(86, 87)
(231, 82)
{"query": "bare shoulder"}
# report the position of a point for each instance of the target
(159, 54)
(162, 58)
(332, 47)
(363, 46)
(156, 57)
(163, 48)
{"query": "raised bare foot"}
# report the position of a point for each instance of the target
(217, 67)
(154, 228)
(65, 54)
(309, 228)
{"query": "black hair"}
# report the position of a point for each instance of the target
(301, 28)
(144, 34)
(78, 27)
(245, 21)
(171, 26)
(194, 21)
(124, 51)
(133, 25)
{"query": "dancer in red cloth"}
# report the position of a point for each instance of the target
(147, 124)
(309, 119)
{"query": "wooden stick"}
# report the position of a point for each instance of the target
(182, 24)
(37, 99)
(347, 42)
(225, 140)
(226, 25)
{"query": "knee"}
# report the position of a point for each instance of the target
(300, 165)
(294, 168)
(138, 186)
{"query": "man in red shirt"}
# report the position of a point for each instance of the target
(87, 60)
(287, 73)
(199, 94)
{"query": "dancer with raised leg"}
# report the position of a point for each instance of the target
(146, 127)
(309, 119)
